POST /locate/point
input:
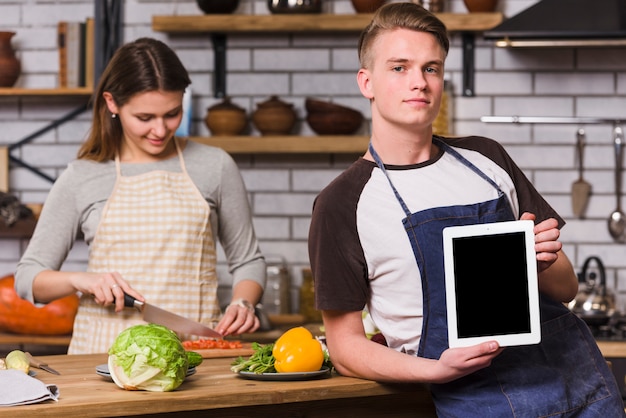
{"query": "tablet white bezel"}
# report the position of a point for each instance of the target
(451, 233)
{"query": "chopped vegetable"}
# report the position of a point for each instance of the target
(202, 344)
(17, 359)
(148, 357)
(261, 361)
(297, 351)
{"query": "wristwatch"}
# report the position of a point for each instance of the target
(243, 303)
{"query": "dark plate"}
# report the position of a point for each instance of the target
(285, 376)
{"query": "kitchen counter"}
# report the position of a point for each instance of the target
(217, 392)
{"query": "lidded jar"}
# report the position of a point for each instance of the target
(225, 118)
(274, 117)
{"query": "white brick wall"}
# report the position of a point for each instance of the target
(535, 82)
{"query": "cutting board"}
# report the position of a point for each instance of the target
(244, 351)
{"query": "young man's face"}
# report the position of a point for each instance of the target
(405, 80)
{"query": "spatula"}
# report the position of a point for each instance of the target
(581, 189)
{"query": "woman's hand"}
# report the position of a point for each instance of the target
(238, 318)
(106, 288)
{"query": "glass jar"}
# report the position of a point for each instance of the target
(443, 121)
(307, 298)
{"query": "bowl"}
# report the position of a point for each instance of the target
(218, 6)
(326, 118)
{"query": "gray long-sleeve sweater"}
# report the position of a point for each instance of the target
(74, 206)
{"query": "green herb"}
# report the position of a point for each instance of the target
(261, 361)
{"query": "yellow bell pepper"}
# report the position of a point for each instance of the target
(297, 351)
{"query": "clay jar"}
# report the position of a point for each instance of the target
(10, 66)
(480, 6)
(225, 118)
(218, 6)
(367, 6)
(274, 117)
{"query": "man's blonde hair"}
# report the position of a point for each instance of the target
(400, 15)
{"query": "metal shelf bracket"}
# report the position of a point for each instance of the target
(219, 63)
(469, 61)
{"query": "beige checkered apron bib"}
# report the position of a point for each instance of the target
(155, 231)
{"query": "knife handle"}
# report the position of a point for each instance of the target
(33, 361)
(131, 302)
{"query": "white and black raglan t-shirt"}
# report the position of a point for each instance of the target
(359, 251)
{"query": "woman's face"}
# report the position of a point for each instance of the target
(149, 121)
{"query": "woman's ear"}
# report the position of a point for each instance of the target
(111, 105)
(365, 83)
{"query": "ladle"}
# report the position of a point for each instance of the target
(617, 219)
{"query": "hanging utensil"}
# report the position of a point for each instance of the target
(581, 189)
(617, 219)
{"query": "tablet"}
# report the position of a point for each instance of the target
(491, 284)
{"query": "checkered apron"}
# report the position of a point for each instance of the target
(155, 231)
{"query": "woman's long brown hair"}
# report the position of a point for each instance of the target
(141, 66)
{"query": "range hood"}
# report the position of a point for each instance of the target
(551, 23)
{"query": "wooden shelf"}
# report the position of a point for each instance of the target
(233, 23)
(220, 25)
(21, 339)
(330, 144)
(23, 228)
(13, 91)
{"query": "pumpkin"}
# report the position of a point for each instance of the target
(20, 316)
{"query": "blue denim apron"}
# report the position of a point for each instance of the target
(563, 376)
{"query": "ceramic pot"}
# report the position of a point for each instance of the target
(274, 117)
(479, 6)
(218, 6)
(10, 66)
(225, 118)
(294, 6)
(367, 6)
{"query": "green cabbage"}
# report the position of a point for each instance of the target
(148, 357)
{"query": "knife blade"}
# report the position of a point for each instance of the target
(170, 320)
(39, 364)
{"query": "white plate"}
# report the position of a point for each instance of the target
(285, 376)
(103, 370)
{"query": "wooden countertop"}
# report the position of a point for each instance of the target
(216, 391)
(613, 349)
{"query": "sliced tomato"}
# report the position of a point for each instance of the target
(203, 344)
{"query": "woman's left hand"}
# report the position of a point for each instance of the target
(238, 318)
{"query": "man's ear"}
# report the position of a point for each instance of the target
(365, 83)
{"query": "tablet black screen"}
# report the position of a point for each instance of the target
(491, 285)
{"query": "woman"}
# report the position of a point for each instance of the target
(150, 206)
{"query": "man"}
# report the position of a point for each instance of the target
(410, 182)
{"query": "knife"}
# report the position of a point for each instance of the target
(39, 364)
(170, 320)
